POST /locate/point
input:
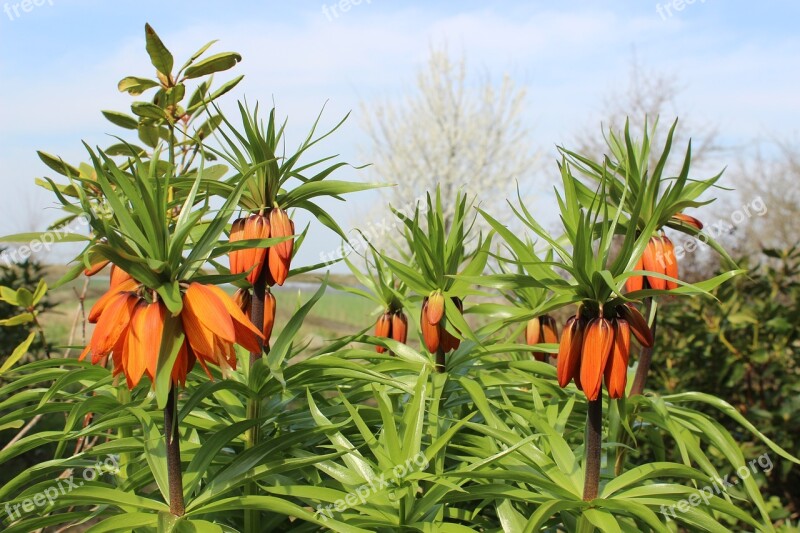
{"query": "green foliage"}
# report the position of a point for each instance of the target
(744, 349)
(25, 275)
(342, 438)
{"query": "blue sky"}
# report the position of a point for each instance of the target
(60, 61)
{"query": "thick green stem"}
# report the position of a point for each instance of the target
(252, 517)
(172, 436)
(594, 437)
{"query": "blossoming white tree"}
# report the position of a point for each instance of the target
(454, 132)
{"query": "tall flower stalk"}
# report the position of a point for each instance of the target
(173, 440)
(606, 234)
(438, 248)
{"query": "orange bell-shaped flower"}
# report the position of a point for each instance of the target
(597, 343)
(570, 350)
(250, 228)
(383, 329)
(280, 255)
(616, 371)
(399, 326)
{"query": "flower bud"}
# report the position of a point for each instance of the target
(399, 327)
(637, 323)
(383, 329)
(435, 307)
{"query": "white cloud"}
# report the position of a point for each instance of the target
(569, 58)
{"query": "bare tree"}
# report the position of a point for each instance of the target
(768, 183)
(451, 132)
(652, 95)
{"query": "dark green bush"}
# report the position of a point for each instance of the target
(744, 348)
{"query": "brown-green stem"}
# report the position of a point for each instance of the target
(252, 517)
(594, 437)
(172, 436)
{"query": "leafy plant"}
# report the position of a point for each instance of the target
(262, 432)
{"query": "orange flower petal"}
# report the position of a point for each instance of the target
(399, 327)
(687, 219)
(548, 333)
(243, 300)
(637, 323)
(431, 334)
(112, 323)
(134, 360)
(95, 268)
(597, 343)
(653, 260)
(532, 330)
(206, 304)
(234, 257)
(270, 307)
(383, 328)
(84, 353)
(280, 255)
(256, 227)
(97, 309)
(281, 226)
(182, 366)
(435, 308)
(635, 283)
(549, 330)
(200, 339)
(118, 276)
(671, 261)
(616, 372)
(246, 334)
(154, 316)
(569, 351)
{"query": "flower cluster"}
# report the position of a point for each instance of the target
(392, 324)
(594, 349)
(539, 330)
(252, 260)
(130, 325)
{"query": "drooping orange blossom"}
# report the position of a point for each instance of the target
(434, 334)
(659, 256)
(392, 324)
(596, 350)
(130, 324)
(539, 330)
(276, 258)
